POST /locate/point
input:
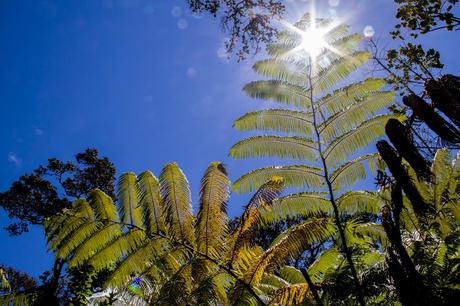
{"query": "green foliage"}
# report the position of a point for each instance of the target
(327, 127)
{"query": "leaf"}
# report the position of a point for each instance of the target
(341, 148)
(128, 197)
(327, 262)
(338, 70)
(175, 193)
(303, 204)
(289, 245)
(282, 71)
(354, 170)
(292, 275)
(354, 202)
(354, 115)
(280, 120)
(341, 98)
(275, 146)
(103, 205)
(294, 176)
(212, 219)
(150, 200)
(290, 295)
(278, 91)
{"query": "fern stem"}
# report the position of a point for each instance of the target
(312, 287)
(346, 250)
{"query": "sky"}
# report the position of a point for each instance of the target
(143, 81)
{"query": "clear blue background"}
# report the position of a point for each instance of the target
(138, 82)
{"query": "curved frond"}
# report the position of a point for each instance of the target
(211, 223)
(290, 295)
(338, 70)
(279, 120)
(128, 197)
(277, 91)
(290, 244)
(297, 204)
(349, 173)
(294, 176)
(292, 275)
(352, 116)
(353, 202)
(282, 71)
(341, 148)
(327, 262)
(150, 200)
(175, 193)
(103, 205)
(275, 146)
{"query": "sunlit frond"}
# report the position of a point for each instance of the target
(275, 146)
(349, 173)
(292, 275)
(211, 223)
(128, 197)
(279, 120)
(353, 202)
(150, 200)
(294, 176)
(278, 91)
(175, 193)
(103, 205)
(298, 204)
(347, 144)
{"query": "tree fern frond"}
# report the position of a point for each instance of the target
(293, 175)
(341, 98)
(290, 295)
(94, 243)
(280, 120)
(212, 219)
(292, 275)
(289, 244)
(327, 262)
(150, 200)
(275, 146)
(128, 197)
(352, 116)
(354, 170)
(136, 262)
(122, 246)
(76, 238)
(282, 71)
(341, 148)
(338, 70)
(353, 202)
(278, 91)
(103, 205)
(299, 204)
(175, 193)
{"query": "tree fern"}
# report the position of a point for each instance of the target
(332, 126)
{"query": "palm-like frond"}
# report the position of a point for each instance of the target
(275, 146)
(278, 91)
(211, 224)
(150, 200)
(279, 120)
(292, 275)
(353, 202)
(177, 202)
(349, 173)
(130, 210)
(294, 176)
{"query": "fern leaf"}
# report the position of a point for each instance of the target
(150, 200)
(280, 120)
(294, 176)
(103, 205)
(292, 275)
(211, 224)
(175, 193)
(341, 148)
(275, 146)
(353, 202)
(130, 210)
(349, 173)
(299, 204)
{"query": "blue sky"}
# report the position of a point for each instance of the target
(145, 82)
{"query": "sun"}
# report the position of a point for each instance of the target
(312, 42)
